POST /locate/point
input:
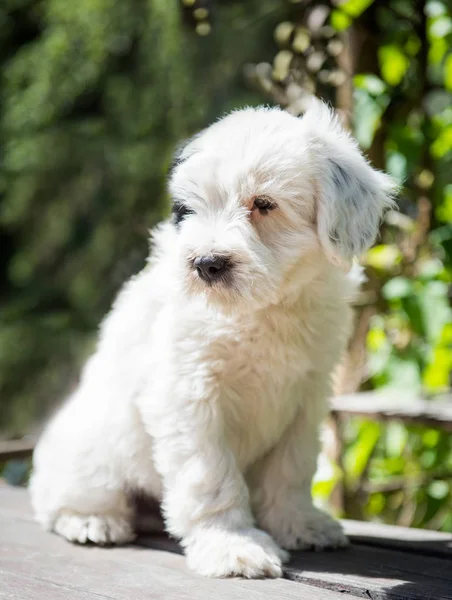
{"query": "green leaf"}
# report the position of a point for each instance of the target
(397, 165)
(383, 257)
(355, 8)
(444, 210)
(358, 455)
(371, 83)
(369, 108)
(376, 504)
(443, 143)
(448, 73)
(438, 489)
(413, 311)
(441, 26)
(435, 309)
(405, 146)
(435, 8)
(322, 489)
(430, 269)
(393, 63)
(438, 370)
(378, 346)
(413, 45)
(430, 438)
(403, 373)
(376, 339)
(437, 50)
(396, 438)
(437, 373)
(446, 335)
(397, 287)
(340, 21)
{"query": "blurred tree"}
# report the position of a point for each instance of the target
(94, 95)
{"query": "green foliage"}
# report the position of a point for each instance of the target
(371, 101)
(94, 96)
(394, 472)
(407, 472)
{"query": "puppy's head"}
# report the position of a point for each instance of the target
(262, 198)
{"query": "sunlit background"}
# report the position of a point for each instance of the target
(95, 95)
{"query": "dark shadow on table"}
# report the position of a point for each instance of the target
(381, 569)
(376, 568)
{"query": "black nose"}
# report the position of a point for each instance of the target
(210, 268)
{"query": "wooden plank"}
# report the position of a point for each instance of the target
(22, 448)
(23, 587)
(377, 573)
(397, 570)
(15, 502)
(417, 541)
(384, 563)
(396, 405)
(50, 563)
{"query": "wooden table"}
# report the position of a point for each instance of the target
(383, 563)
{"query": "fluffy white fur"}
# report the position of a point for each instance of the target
(209, 397)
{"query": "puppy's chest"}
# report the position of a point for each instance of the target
(259, 375)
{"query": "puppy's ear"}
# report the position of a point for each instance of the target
(351, 196)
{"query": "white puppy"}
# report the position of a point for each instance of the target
(212, 371)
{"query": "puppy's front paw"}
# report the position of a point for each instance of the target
(311, 529)
(249, 553)
(98, 529)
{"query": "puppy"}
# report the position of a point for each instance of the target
(212, 371)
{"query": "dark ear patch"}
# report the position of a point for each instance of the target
(346, 185)
(340, 176)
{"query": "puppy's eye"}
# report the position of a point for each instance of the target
(180, 212)
(263, 204)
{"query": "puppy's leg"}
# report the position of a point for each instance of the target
(77, 486)
(281, 485)
(80, 511)
(205, 498)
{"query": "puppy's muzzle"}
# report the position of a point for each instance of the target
(212, 268)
